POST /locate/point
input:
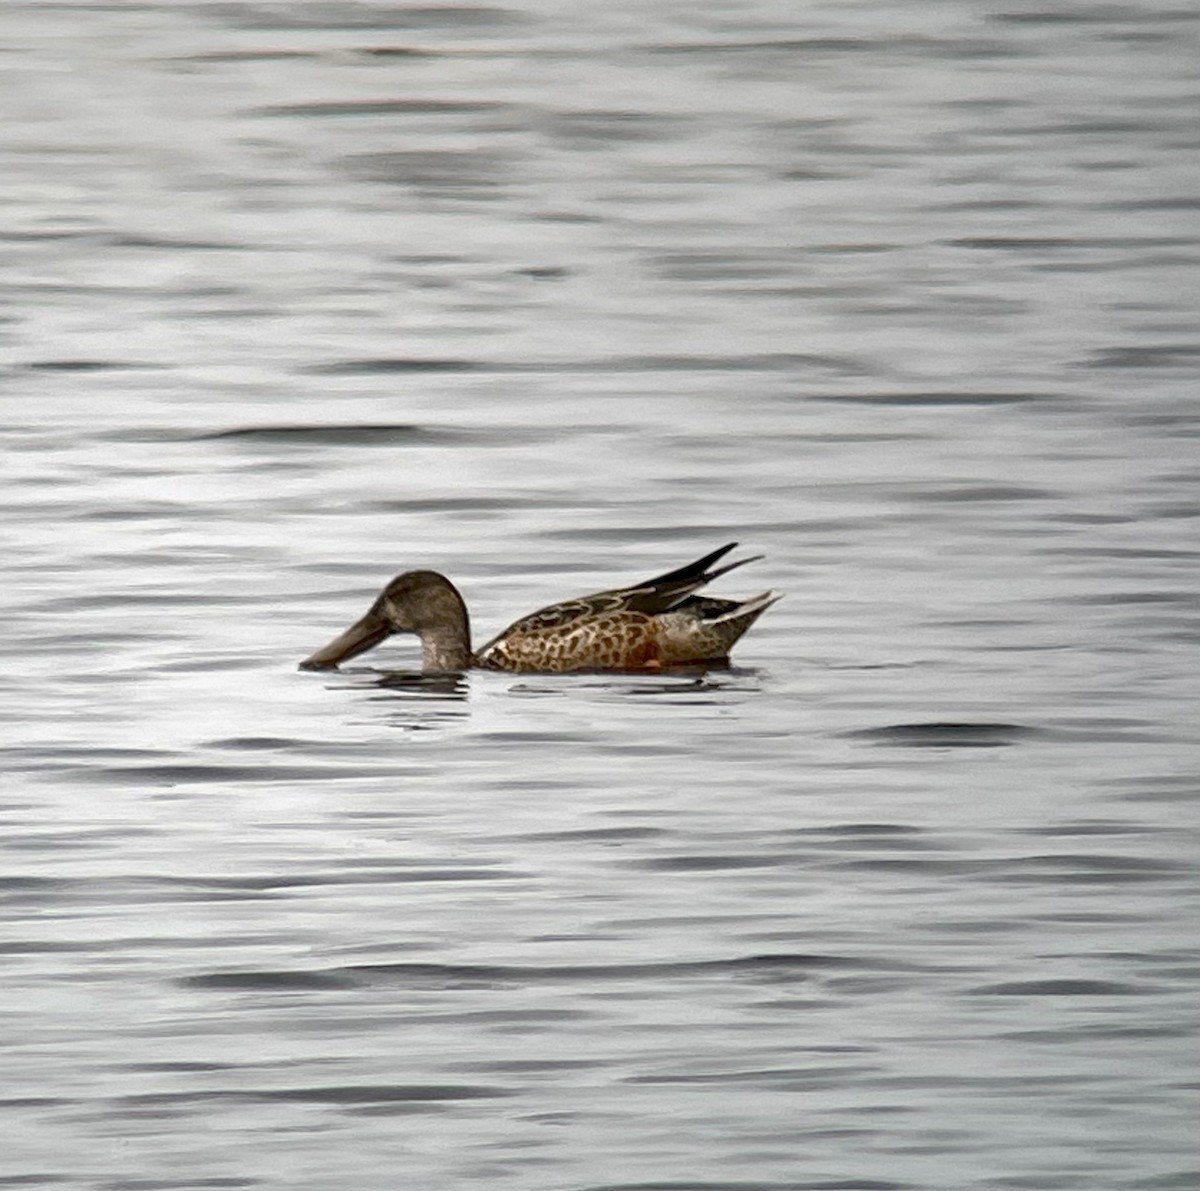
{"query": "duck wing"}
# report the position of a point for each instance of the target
(665, 592)
(650, 598)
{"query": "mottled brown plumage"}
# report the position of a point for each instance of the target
(654, 624)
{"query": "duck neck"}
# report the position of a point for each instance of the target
(447, 647)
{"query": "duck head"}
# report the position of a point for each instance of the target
(421, 602)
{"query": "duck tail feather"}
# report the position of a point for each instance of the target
(751, 607)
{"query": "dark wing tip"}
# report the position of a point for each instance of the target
(693, 571)
(732, 566)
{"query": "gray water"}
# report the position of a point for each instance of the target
(553, 298)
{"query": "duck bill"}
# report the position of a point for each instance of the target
(358, 638)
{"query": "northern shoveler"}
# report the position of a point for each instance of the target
(654, 624)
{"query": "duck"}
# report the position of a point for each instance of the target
(646, 627)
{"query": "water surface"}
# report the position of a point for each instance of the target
(901, 296)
